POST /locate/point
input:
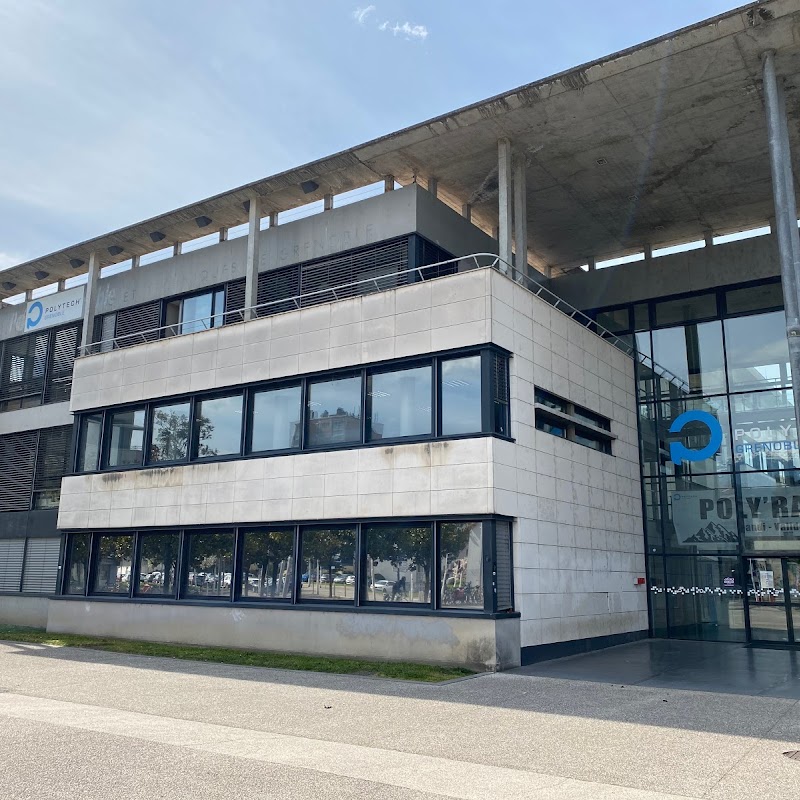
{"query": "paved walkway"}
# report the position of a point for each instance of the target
(82, 724)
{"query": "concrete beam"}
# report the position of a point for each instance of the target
(90, 300)
(521, 215)
(251, 261)
(504, 202)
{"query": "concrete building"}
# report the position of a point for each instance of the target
(529, 393)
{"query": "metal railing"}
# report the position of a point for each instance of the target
(383, 283)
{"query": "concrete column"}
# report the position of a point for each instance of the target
(251, 263)
(62, 284)
(223, 234)
(504, 202)
(789, 177)
(591, 262)
(135, 262)
(785, 219)
(29, 295)
(90, 300)
(177, 248)
(466, 212)
(709, 238)
(388, 183)
(433, 186)
(648, 252)
(273, 219)
(327, 202)
(521, 215)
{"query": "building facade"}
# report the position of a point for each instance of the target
(380, 431)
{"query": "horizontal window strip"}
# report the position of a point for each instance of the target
(417, 565)
(439, 396)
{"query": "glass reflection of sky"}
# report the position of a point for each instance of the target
(461, 395)
(222, 435)
(401, 403)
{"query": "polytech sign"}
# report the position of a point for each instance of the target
(55, 309)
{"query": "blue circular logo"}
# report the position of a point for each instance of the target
(35, 313)
(679, 452)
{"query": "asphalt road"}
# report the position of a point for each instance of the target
(82, 724)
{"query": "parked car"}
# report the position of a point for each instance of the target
(350, 580)
(382, 585)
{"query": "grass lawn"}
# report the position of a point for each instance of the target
(247, 658)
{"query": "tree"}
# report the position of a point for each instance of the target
(171, 435)
(270, 552)
(401, 545)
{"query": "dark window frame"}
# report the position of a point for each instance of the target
(360, 603)
(546, 412)
(486, 352)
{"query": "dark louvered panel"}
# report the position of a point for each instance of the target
(234, 301)
(430, 253)
(500, 378)
(17, 454)
(12, 551)
(378, 262)
(64, 348)
(138, 324)
(505, 601)
(24, 364)
(52, 463)
(278, 284)
(40, 573)
(104, 328)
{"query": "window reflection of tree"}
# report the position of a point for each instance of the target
(461, 547)
(210, 558)
(326, 550)
(408, 550)
(160, 554)
(268, 563)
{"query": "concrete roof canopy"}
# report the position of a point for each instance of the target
(658, 144)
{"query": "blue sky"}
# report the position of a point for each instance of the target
(117, 110)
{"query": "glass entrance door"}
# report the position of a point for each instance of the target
(773, 599)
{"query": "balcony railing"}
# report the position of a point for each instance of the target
(383, 283)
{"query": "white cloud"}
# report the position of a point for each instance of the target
(406, 29)
(360, 14)
(7, 261)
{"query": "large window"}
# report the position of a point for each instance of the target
(423, 563)
(328, 560)
(77, 563)
(461, 395)
(334, 411)
(758, 352)
(277, 419)
(399, 403)
(158, 564)
(112, 573)
(209, 565)
(91, 429)
(170, 433)
(399, 562)
(268, 564)
(218, 426)
(126, 438)
(693, 354)
(198, 312)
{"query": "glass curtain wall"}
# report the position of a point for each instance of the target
(720, 458)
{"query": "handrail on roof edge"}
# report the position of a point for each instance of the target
(345, 291)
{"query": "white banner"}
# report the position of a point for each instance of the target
(55, 309)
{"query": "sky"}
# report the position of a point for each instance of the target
(113, 111)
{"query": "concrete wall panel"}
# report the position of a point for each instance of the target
(482, 644)
(22, 610)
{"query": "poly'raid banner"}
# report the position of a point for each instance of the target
(709, 516)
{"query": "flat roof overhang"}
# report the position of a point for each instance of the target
(654, 145)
